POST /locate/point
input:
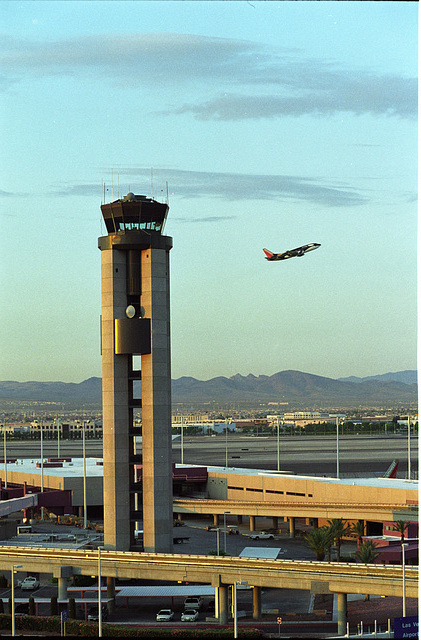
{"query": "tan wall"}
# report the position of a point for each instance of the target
(290, 489)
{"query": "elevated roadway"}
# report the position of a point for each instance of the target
(362, 511)
(319, 577)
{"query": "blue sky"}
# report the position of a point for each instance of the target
(275, 124)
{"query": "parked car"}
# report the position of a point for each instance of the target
(193, 602)
(189, 615)
(263, 535)
(29, 583)
(93, 615)
(165, 615)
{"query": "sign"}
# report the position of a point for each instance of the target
(63, 616)
(406, 627)
(279, 620)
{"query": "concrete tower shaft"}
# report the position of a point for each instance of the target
(136, 321)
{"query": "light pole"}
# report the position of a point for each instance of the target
(337, 447)
(5, 456)
(182, 442)
(234, 609)
(279, 463)
(225, 530)
(409, 449)
(99, 594)
(84, 475)
(404, 544)
(14, 567)
(42, 465)
(58, 437)
(226, 446)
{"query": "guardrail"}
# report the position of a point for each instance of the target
(320, 577)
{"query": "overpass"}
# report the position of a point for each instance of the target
(221, 572)
(325, 510)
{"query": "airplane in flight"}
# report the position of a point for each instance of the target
(292, 253)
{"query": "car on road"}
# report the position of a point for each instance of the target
(165, 615)
(189, 615)
(193, 602)
(29, 583)
(263, 535)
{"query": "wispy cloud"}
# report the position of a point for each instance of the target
(234, 186)
(247, 80)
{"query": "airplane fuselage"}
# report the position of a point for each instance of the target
(292, 253)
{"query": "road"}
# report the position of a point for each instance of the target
(309, 455)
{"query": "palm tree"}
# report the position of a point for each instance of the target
(401, 526)
(359, 529)
(339, 529)
(319, 541)
(367, 554)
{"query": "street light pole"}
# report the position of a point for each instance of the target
(337, 447)
(409, 449)
(225, 530)
(99, 594)
(42, 466)
(182, 442)
(279, 464)
(5, 456)
(84, 475)
(226, 446)
(404, 544)
(234, 609)
(14, 567)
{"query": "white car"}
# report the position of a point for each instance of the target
(29, 583)
(165, 615)
(190, 615)
(263, 535)
(193, 602)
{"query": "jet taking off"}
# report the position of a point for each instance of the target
(293, 253)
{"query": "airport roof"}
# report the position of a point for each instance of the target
(94, 468)
(392, 483)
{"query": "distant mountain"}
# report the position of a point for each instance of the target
(294, 387)
(409, 376)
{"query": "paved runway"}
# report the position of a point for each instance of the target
(309, 455)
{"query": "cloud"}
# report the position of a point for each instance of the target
(245, 80)
(234, 187)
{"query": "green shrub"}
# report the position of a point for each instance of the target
(31, 606)
(72, 608)
(53, 606)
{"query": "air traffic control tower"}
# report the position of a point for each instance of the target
(135, 321)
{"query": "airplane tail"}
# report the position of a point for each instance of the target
(268, 254)
(392, 470)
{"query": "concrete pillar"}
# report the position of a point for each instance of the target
(215, 519)
(223, 604)
(156, 405)
(62, 588)
(342, 614)
(291, 527)
(252, 523)
(111, 594)
(257, 603)
(315, 523)
(275, 522)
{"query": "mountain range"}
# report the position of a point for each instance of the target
(294, 387)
